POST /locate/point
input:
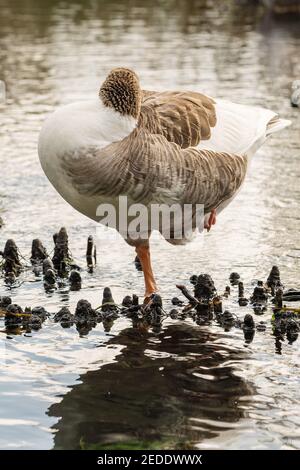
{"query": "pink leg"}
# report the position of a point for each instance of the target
(143, 253)
(212, 220)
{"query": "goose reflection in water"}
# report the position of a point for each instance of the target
(170, 390)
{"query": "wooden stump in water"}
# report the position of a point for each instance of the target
(91, 253)
(12, 263)
(61, 256)
(38, 252)
(273, 281)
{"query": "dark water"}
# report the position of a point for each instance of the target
(187, 385)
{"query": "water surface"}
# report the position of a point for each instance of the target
(186, 385)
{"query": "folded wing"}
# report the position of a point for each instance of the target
(185, 118)
(148, 168)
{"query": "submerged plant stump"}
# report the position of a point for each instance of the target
(15, 317)
(12, 264)
(279, 298)
(259, 295)
(90, 251)
(234, 278)
(86, 317)
(204, 305)
(38, 252)
(243, 301)
(108, 307)
(75, 280)
(49, 279)
(84, 310)
(273, 281)
(153, 312)
(61, 258)
(204, 289)
(64, 317)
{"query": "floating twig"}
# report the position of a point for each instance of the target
(187, 294)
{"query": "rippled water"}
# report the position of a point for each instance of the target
(187, 385)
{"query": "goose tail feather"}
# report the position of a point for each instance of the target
(242, 129)
(277, 124)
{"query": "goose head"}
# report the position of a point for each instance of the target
(121, 91)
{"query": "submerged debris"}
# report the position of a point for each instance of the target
(40, 312)
(201, 303)
(259, 296)
(285, 322)
(130, 305)
(90, 248)
(127, 301)
(47, 264)
(85, 317)
(242, 299)
(84, 310)
(227, 292)
(261, 326)
(273, 281)
(174, 313)
(108, 303)
(75, 280)
(153, 312)
(194, 279)
(217, 304)
(177, 301)
(234, 278)
(193, 301)
(5, 302)
(12, 265)
(61, 258)
(227, 320)
(15, 316)
(49, 279)
(291, 295)
(279, 298)
(248, 335)
(204, 287)
(249, 323)
(38, 252)
(64, 317)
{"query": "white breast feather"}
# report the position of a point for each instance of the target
(83, 124)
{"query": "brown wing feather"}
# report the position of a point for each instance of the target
(184, 118)
(146, 167)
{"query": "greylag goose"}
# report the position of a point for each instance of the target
(174, 147)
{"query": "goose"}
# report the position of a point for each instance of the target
(170, 147)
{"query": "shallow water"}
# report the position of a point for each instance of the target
(187, 385)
